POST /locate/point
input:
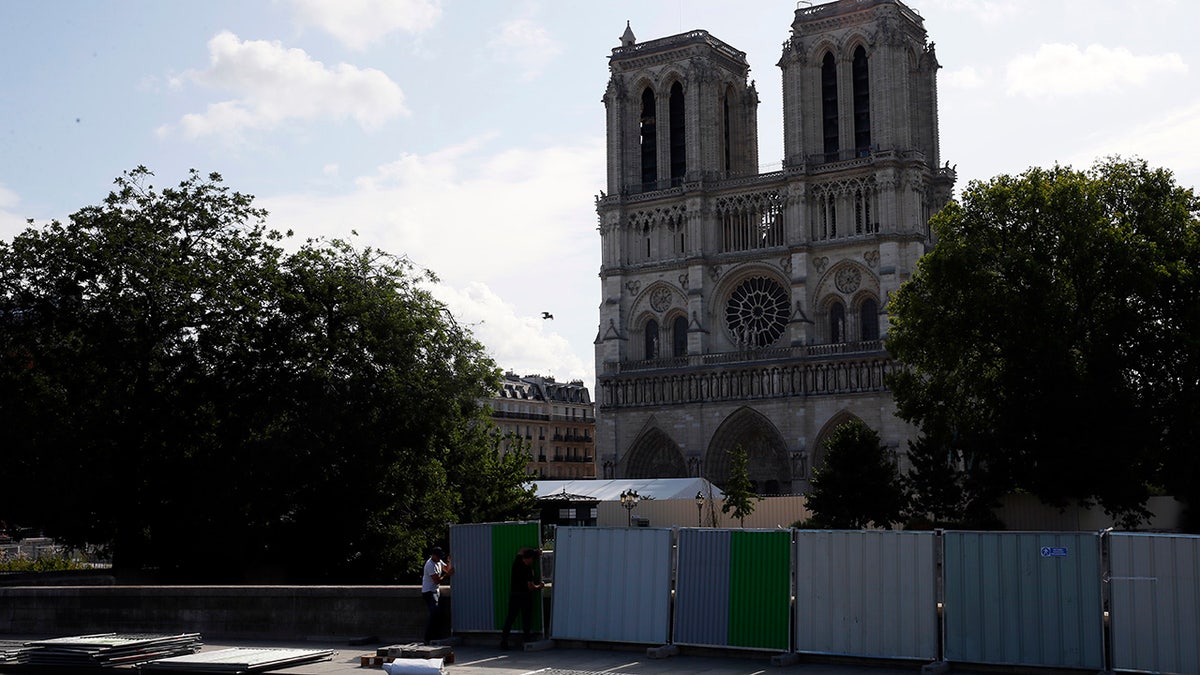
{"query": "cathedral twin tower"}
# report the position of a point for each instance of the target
(748, 309)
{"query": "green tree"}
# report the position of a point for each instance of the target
(1048, 342)
(857, 485)
(177, 385)
(740, 497)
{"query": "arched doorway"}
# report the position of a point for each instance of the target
(768, 465)
(653, 455)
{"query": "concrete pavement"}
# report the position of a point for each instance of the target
(480, 658)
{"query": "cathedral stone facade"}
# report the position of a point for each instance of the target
(749, 309)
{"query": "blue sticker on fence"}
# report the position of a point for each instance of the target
(1054, 551)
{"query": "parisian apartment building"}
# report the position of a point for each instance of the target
(552, 423)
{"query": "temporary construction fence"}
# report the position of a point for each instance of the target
(867, 593)
(482, 556)
(1015, 599)
(612, 584)
(733, 588)
(1154, 592)
(1024, 599)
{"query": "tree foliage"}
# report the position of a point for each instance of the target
(740, 497)
(177, 385)
(1050, 341)
(857, 485)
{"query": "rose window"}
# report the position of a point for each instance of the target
(757, 313)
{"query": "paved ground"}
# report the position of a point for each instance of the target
(486, 659)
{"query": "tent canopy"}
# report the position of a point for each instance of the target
(610, 490)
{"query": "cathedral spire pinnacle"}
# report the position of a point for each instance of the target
(627, 38)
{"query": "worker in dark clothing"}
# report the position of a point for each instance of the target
(523, 585)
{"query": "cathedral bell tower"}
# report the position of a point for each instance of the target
(679, 108)
(746, 310)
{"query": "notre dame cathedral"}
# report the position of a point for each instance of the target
(749, 309)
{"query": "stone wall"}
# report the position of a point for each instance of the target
(227, 612)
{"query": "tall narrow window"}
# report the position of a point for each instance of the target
(862, 103)
(868, 319)
(649, 141)
(829, 107)
(725, 136)
(679, 329)
(679, 336)
(678, 136)
(837, 323)
(651, 337)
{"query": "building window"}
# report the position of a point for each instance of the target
(679, 336)
(725, 131)
(651, 342)
(862, 212)
(869, 320)
(829, 107)
(862, 103)
(757, 313)
(649, 138)
(837, 323)
(678, 135)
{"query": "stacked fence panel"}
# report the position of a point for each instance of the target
(483, 555)
(868, 594)
(1024, 599)
(1154, 595)
(733, 589)
(612, 584)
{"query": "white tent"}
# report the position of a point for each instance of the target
(610, 490)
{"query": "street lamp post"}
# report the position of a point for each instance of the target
(699, 508)
(629, 499)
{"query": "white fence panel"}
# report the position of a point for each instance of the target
(867, 593)
(612, 584)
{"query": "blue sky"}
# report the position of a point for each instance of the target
(469, 134)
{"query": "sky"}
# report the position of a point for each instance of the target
(468, 135)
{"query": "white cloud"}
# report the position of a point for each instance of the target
(10, 223)
(519, 221)
(274, 84)
(358, 23)
(523, 344)
(526, 45)
(1066, 70)
(1171, 141)
(963, 78)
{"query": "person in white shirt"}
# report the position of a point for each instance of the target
(437, 571)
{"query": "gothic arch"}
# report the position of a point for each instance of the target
(653, 455)
(834, 422)
(846, 278)
(865, 307)
(769, 468)
(658, 299)
(852, 41)
(825, 44)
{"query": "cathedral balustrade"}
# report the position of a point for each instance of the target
(814, 377)
(750, 355)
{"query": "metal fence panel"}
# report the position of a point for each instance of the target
(1154, 592)
(482, 555)
(867, 593)
(733, 588)
(702, 588)
(612, 584)
(761, 589)
(1024, 598)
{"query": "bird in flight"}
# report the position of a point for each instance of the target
(547, 315)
